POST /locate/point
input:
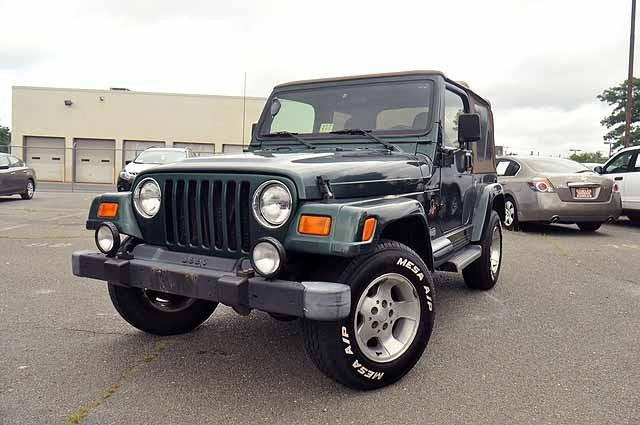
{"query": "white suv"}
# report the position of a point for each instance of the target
(624, 169)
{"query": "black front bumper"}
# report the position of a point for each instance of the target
(215, 279)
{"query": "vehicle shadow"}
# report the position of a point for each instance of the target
(627, 224)
(561, 230)
(263, 358)
(8, 199)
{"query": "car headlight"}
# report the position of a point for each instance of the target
(125, 175)
(272, 204)
(146, 197)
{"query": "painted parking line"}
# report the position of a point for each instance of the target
(62, 216)
(17, 226)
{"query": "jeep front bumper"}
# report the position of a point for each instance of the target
(215, 279)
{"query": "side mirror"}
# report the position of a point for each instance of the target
(598, 169)
(468, 128)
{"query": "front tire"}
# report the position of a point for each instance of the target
(483, 273)
(390, 322)
(159, 313)
(29, 190)
(589, 227)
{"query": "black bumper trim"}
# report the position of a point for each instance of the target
(312, 300)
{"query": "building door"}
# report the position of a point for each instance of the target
(133, 148)
(94, 160)
(46, 156)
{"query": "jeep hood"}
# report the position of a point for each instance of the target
(352, 174)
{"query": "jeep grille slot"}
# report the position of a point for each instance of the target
(208, 215)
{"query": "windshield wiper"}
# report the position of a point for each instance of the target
(365, 133)
(289, 134)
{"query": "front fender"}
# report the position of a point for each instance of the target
(125, 219)
(489, 193)
(347, 220)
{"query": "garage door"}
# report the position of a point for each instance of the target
(46, 156)
(95, 160)
(199, 149)
(232, 148)
(133, 148)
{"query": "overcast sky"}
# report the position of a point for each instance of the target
(541, 63)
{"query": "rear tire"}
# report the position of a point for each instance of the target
(589, 227)
(29, 190)
(389, 325)
(511, 214)
(484, 272)
(158, 313)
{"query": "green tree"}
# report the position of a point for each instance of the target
(5, 138)
(617, 97)
(588, 157)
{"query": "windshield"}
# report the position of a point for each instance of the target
(560, 166)
(159, 157)
(393, 108)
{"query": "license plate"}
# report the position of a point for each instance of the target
(584, 192)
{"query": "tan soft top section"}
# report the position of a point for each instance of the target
(357, 77)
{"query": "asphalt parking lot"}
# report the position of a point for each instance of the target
(556, 342)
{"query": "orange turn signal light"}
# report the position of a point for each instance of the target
(317, 225)
(108, 210)
(368, 228)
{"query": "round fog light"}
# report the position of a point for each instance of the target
(108, 238)
(267, 257)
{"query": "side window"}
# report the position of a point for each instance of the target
(4, 160)
(296, 117)
(636, 167)
(502, 167)
(453, 107)
(15, 162)
(620, 163)
(513, 169)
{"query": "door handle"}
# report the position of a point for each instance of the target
(13, 173)
(617, 178)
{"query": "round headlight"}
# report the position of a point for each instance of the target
(146, 197)
(107, 238)
(272, 204)
(267, 257)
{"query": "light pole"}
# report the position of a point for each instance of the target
(627, 122)
(610, 147)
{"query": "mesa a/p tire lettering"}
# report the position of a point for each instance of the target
(389, 325)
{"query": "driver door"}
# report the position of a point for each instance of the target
(456, 181)
(618, 169)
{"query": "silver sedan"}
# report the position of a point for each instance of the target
(554, 190)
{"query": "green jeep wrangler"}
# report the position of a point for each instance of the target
(351, 194)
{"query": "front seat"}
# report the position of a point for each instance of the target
(420, 121)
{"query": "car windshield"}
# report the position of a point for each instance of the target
(159, 157)
(559, 166)
(385, 108)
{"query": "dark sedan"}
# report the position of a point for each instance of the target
(16, 178)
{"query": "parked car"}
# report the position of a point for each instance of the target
(16, 178)
(353, 192)
(554, 190)
(147, 159)
(624, 169)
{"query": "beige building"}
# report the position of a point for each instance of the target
(77, 135)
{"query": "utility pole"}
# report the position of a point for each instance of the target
(244, 105)
(610, 147)
(627, 124)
